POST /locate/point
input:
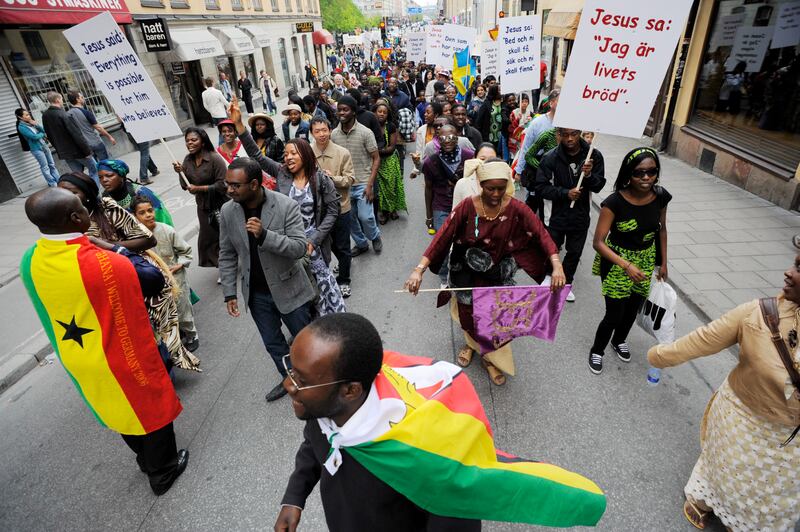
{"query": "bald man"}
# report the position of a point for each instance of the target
(89, 296)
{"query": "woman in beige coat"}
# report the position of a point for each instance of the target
(747, 472)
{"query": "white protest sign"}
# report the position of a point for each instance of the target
(787, 25)
(415, 46)
(488, 59)
(519, 42)
(434, 34)
(444, 41)
(618, 63)
(750, 46)
(120, 75)
(351, 40)
(724, 33)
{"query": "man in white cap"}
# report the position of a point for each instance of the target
(294, 127)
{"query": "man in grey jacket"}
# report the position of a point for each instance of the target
(262, 242)
(67, 138)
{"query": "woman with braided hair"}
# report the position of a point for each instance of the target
(631, 233)
(113, 175)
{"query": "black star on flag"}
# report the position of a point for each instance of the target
(73, 332)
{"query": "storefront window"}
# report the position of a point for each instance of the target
(42, 61)
(175, 74)
(748, 93)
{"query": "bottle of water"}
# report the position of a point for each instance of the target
(653, 376)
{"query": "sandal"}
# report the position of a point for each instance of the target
(464, 357)
(496, 376)
(394, 216)
(698, 518)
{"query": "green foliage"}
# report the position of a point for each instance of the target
(372, 22)
(341, 16)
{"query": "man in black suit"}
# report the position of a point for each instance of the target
(334, 362)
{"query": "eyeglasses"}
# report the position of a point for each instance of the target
(448, 138)
(234, 186)
(290, 373)
(651, 172)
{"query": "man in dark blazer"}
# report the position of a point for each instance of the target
(263, 243)
(334, 362)
(66, 137)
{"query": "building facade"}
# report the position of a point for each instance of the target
(206, 38)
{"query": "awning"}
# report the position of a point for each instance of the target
(191, 45)
(260, 34)
(321, 37)
(62, 13)
(234, 41)
(562, 24)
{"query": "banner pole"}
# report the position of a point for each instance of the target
(588, 158)
(172, 156)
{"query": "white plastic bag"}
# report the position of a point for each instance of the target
(657, 315)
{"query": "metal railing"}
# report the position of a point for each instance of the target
(34, 89)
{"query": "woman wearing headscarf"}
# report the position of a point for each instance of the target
(492, 235)
(468, 186)
(113, 175)
(747, 471)
(205, 170)
(112, 223)
(300, 178)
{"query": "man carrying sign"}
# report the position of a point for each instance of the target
(557, 180)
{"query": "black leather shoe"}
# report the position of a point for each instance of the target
(193, 344)
(356, 251)
(183, 461)
(276, 393)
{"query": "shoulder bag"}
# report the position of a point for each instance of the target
(769, 310)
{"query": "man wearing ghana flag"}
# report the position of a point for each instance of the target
(90, 301)
(400, 443)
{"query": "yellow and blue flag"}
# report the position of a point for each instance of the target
(464, 71)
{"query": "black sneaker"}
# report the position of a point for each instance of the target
(356, 251)
(377, 245)
(192, 344)
(595, 363)
(276, 393)
(622, 351)
(345, 288)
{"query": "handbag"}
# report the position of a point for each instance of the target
(769, 310)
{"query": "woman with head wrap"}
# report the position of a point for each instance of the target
(112, 223)
(492, 235)
(113, 175)
(468, 186)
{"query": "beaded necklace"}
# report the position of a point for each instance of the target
(487, 218)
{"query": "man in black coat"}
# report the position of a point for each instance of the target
(557, 180)
(334, 362)
(67, 138)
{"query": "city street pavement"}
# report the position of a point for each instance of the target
(61, 471)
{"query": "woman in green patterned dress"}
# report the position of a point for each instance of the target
(630, 240)
(391, 194)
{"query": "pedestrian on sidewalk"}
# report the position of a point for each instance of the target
(61, 271)
(337, 164)
(269, 92)
(225, 86)
(442, 170)
(205, 169)
(746, 473)
(360, 142)
(215, 103)
(177, 254)
(557, 180)
(33, 139)
(264, 243)
(246, 90)
(66, 137)
(631, 242)
(87, 122)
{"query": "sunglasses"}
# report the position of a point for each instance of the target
(448, 138)
(650, 172)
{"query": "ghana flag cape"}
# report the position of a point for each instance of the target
(91, 306)
(423, 431)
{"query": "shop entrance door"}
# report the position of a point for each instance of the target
(194, 89)
(284, 63)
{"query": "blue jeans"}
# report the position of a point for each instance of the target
(47, 165)
(145, 162)
(100, 151)
(439, 218)
(268, 321)
(363, 226)
(77, 165)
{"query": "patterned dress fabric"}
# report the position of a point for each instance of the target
(743, 474)
(391, 194)
(330, 298)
